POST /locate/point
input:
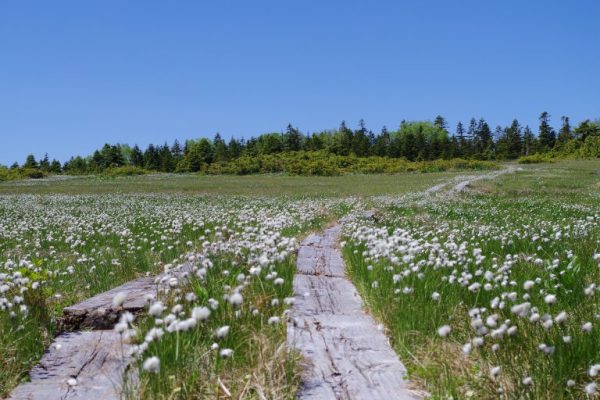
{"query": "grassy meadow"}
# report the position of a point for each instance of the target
(493, 293)
(464, 283)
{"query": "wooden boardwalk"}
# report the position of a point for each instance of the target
(345, 355)
(89, 360)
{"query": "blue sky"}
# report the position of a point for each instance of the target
(77, 74)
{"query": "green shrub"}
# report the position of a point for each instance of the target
(325, 164)
(127, 170)
(20, 173)
(32, 173)
(590, 148)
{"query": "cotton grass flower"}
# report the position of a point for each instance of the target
(236, 299)
(226, 353)
(119, 299)
(444, 330)
(200, 313)
(152, 365)
(221, 332)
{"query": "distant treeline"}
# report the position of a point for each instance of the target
(329, 151)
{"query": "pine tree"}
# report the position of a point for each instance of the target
(585, 129)
(137, 157)
(221, 151)
(461, 140)
(30, 162)
(514, 140)
(361, 145)
(151, 158)
(528, 141)
(45, 163)
(292, 139)
(176, 151)
(235, 149)
(381, 147)
(167, 162)
(547, 136)
(55, 167)
(440, 122)
(346, 139)
(483, 141)
(564, 135)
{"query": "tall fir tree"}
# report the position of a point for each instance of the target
(30, 162)
(221, 151)
(440, 122)
(529, 145)
(461, 140)
(564, 134)
(137, 157)
(546, 136)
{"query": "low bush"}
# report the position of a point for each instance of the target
(325, 164)
(127, 170)
(535, 159)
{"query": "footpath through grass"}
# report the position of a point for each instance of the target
(494, 293)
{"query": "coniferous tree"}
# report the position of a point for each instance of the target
(151, 158)
(547, 136)
(137, 157)
(292, 139)
(345, 136)
(514, 140)
(167, 162)
(55, 167)
(235, 149)
(361, 145)
(586, 129)
(381, 147)
(564, 134)
(176, 151)
(471, 135)
(483, 141)
(528, 141)
(440, 122)
(30, 162)
(221, 151)
(45, 163)
(462, 140)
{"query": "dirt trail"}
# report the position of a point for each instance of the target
(346, 355)
(462, 183)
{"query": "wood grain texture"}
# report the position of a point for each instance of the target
(98, 312)
(345, 355)
(95, 359)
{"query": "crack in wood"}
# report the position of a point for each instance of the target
(345, 355)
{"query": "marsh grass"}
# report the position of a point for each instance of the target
(500, 222)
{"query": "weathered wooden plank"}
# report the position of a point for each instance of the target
(79, 365)
(98, 312)
(346, 356)
(318, 254)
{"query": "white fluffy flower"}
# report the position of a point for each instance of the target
(226, 353)
(119, 299)
(152, 364)
(200, 313)
(156, 309)
(222, 332)
(236, 299)
(444, 331)
(550, 299)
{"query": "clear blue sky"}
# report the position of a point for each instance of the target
(77, 74)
